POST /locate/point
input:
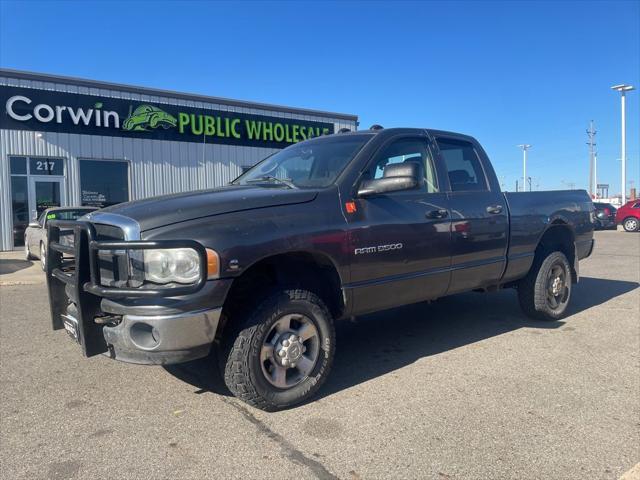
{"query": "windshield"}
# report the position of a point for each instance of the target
(311, 164)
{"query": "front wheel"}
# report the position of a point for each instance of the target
(43, 257)
(630, 224)
(545, 292)
(27, 253)
(281, 355)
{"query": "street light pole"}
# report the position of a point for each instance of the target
(623, 89)
(524, 147)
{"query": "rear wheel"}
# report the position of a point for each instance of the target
(631, 224)
(281, 355)
(545, 292)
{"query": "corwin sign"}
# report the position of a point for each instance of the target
(50, 111)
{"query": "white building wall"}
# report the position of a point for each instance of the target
(157, 167)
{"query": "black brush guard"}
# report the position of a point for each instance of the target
(81, 273)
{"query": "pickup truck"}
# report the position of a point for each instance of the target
(326, 229)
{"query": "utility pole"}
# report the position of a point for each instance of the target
(524, 147)
(623, 89)
(595, 171)
(591, 133)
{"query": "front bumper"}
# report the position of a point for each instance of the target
(162, 339)
(159, 325)
(608, 222)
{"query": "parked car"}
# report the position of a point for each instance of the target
(605, 215)
(35, 235)
(326, 229)
(628, 216)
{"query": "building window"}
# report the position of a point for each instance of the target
(18, 165)
(104, 183)
(20, 208)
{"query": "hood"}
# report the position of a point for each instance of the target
(168, 209)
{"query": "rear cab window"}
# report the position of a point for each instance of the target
(463, 165)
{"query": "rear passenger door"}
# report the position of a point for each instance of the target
(479, 219)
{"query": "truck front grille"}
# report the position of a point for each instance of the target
(114, 265)
(108, 232)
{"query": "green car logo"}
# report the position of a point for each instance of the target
(147, 117)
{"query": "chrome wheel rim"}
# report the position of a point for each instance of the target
(43, 257)
(26, 251)
(557, 287)
(290, 351)
(632, 224)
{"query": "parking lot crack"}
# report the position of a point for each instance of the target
(289, 451)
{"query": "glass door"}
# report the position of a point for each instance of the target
(45, 192)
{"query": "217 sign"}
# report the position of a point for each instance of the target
(46, 166)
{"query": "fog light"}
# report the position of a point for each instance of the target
(144, 336)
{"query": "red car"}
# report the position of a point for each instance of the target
(628, 216)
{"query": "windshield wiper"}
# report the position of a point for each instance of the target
(271, 178)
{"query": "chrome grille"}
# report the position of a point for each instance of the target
(114, 265)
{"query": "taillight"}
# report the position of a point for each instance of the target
(607, 211)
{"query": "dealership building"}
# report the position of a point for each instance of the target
(67, 142)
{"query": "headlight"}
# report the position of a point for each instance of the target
(180, 265)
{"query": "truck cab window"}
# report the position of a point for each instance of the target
(408, 150)
(463, 165)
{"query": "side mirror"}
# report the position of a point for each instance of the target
(396, 177)
(34, 224)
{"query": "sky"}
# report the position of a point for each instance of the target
(506, 73)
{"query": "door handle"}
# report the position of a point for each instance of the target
(494, 209)
(439, 213)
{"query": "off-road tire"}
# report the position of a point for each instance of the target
(240, 353)
(532, 289)
(630, 224)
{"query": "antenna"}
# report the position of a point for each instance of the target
(591, 133)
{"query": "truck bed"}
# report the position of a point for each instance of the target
(530, 213)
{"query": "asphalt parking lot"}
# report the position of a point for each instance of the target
(464, 388)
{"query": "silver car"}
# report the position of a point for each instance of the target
(35, 236)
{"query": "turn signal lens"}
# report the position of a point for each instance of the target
(350, 207)
(213, 264)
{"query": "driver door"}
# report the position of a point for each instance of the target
(400, 241)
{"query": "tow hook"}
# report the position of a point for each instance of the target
(109, 320)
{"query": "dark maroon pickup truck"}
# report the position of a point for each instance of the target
(325, 229)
